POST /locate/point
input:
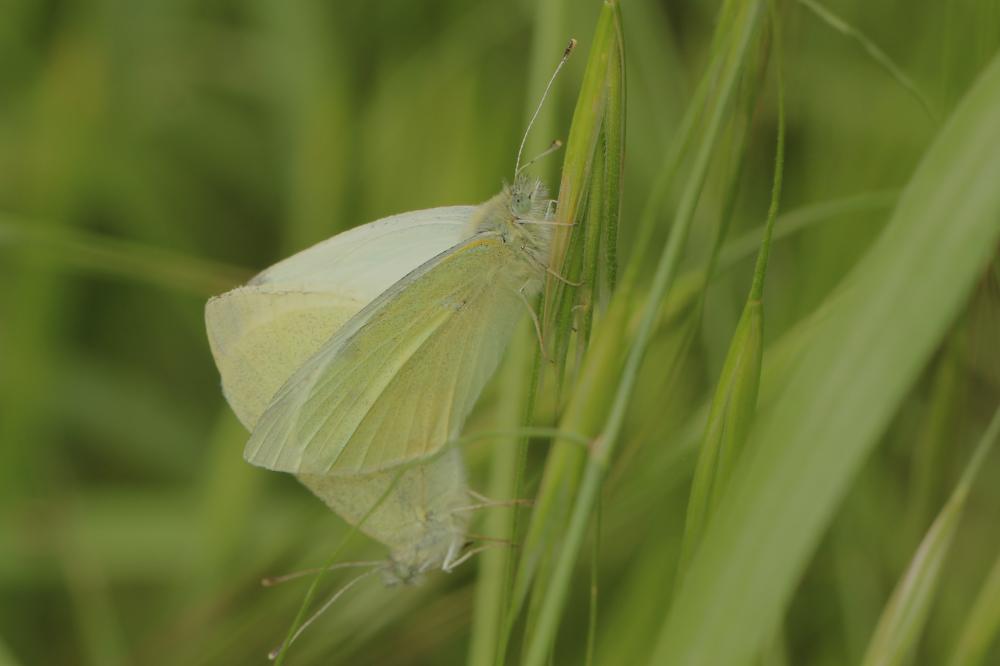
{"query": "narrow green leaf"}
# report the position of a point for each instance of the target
(90, 252)
(604, 69)
(582, 141)
(929, 478)
(614, 156)
(593, 231)
(872, 49)
(554, 590)
(898, 629)
(491, 591)
(876, 331)
(735, 399)
(728, 426)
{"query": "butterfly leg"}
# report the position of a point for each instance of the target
(546, 222)
(550, 209)
(329, 602)
(472, 552)
(271, 581)
(489, 501)
(491, 504)
(534, 320)
(561, 278)
(451, 559)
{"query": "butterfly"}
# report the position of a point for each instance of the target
(360, 358)
(355, 362)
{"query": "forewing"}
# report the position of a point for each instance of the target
(365, 261)
(262, 332)
(395, 383)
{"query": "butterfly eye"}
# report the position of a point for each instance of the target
(520, 203)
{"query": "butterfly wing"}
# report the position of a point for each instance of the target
(262, 332)
(396, 382)
(417, 520)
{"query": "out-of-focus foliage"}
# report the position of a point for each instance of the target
(154, 153)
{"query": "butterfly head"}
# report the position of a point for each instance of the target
(528, 198)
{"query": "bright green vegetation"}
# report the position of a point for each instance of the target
(794, 465)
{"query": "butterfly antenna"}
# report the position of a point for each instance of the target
(534, 116)
(553, 147)
(273, 654)
(271, 581)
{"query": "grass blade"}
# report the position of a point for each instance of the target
(877, 330)
(563, 465)
(898, 629)
(735, 399)
(553, 591)
(124, 259)
(877, 54)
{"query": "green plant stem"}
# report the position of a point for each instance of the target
(760, 268)
(491, 591)
(524, 433)
(876, 330)
(604, 445)
(899, 628)
(509, 599)
(877, 54)
(127, 259)
(595, 556)
(603, 80)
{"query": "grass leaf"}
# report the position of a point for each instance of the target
(898, 629)
(876, 331)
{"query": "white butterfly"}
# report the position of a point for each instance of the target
(363, 355)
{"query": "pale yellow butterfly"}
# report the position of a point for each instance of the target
(357, 360)
(366, 352)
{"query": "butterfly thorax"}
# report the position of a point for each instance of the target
(518, 215)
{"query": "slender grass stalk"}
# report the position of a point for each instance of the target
(125, 259)
(555, 591)
(488, 642)
(666, 175)
(496, 567)
(523, 432)
(602, 79)
(877, 54)
(613, 134)
(800, 219)
(735, 398)
(508, 600)
(749, 346)
(929, 471)
(593, 231)
(877, 330)
(760, 268)
(898, 630)
(566, 254)
(665, 179)
(595, 559)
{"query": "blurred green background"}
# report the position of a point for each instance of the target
(155, 153)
